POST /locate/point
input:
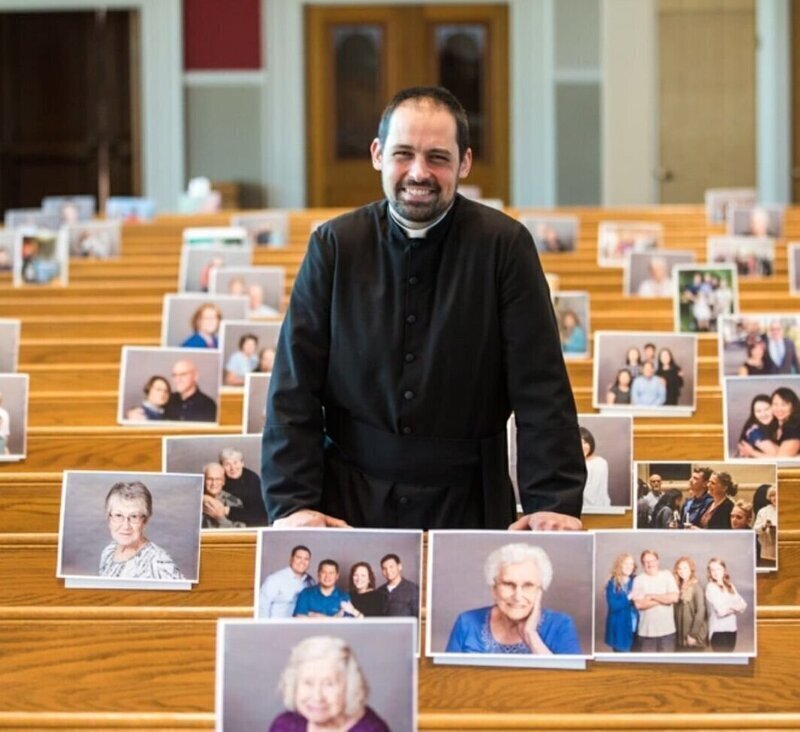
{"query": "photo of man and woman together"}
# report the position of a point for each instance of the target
(316, 580)
(678, 599)
(764, 345)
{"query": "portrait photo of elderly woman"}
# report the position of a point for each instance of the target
(518, 575)
(324, 688)
(130, 530)
(131, 555)
(318, 676)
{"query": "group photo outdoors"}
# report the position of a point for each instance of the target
(383, 466)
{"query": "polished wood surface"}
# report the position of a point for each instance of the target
(94, 659)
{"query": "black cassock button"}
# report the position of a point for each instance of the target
(411, 319)
(408, 395)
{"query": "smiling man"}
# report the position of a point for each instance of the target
(417, 324)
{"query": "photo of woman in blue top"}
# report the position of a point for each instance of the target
(519, 575)
(622, 617)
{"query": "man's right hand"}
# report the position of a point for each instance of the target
(306, 517)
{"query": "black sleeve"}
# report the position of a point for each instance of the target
(292, 455)
(550, 465)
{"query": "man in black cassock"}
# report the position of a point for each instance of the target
(416, 325)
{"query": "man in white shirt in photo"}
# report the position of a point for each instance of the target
(279, 592)
(654, 593)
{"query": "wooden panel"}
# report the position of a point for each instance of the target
(706, 96)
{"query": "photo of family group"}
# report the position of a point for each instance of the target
(607, 442)
(644, 372)
(70, 209)
(359, 573)
(703, 295)
(230, 466)
(552, 234)
(168, 385)
(318, 675)
(751, 256)
(264, 228)
(572, 313)
(126, 530)
(40, 258)
(130, 209)
(193, 320)
(762, 417)
(649, 274)
(666, 595)
(263, 287)
(198, 264)
(495, 595)
(719, 202)
(733, 496)
(617, 239)
(759, 345)
(14, 390)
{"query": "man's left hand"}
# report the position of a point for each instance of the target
(546, 521)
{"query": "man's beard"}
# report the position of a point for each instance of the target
(420, 212)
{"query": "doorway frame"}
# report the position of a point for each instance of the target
(531, 104)
(161, 73)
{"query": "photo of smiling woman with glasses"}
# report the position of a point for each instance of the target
(131, 555)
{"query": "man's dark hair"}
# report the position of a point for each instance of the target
(390, 556)
(440, 97)
(705, 471)
(331, 563)
(299, 548)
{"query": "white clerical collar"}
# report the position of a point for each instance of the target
(408, 226)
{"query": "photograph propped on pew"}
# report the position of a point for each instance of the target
(284, 676)
(194, 320)
(793, 260)
(751, 256)
(247, 347)
(647, 374)
(510, 599)
(759, 221)
(572, 314)
(759, 344)
(199, 262)
(7, 237)
(129, 530)
(617, 239)
(9, 345)
(675, 597)
(93, 239)
(263, 286)
(70, 209)
(33, 218)
(719, 200)
(230, 466)
(649, 274)
(264, 228)
(702, 294)
(254, 406)
(607, 441)
(353, 574)
(762, 418)
(13, 417)
(40, 258)
(552, 234)
(700, 495)
(130, 209)
(168, 386)
(215, 236)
